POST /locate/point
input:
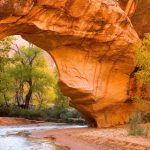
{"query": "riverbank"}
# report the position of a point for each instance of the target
(96, 139)
(12, 121)
(82, 138)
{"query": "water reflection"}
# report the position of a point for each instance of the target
(24, 143)
(11, 139)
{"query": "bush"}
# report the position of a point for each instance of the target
(64, 113)
(146, 117)
(135, 128)
(3, 110)
(29, 113)
(15, 111)
(53, 114)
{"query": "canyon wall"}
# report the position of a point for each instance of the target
(92, 43)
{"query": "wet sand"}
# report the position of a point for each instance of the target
(96, 139)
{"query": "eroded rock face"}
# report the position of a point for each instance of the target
(139, 13)
(141, 17)
(92, 43)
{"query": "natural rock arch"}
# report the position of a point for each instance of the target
(92, 43)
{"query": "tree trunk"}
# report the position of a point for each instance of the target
(29, 95)
(17, 98)
(6, 101)
(40, 103)
(19, 94)
(21, 90)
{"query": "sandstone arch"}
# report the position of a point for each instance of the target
(92, 44)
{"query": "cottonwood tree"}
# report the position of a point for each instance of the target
(5, 60)
(26, 79)
(29, 75)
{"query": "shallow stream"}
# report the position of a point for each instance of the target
(15, 137)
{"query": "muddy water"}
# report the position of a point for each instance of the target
(16, 138)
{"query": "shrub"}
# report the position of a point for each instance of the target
(146, 117)
(3, 110)
(135, 128)
(53, 114)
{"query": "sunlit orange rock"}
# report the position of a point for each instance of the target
(139, 13)
(92, 43)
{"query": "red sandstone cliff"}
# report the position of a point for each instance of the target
(92, 43)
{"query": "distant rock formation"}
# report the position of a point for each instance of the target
(92, 43)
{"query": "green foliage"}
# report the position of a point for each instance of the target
(143, 57)
(26, 72)
(24, 77)
(29, 66)
(5, 46)
(135, 127)
(70, 116)
(28, 88)
(140, 100)
(15, 111)
(61, 101)
(5, 81)
(143, 64)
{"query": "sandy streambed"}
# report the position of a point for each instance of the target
(96, 139)
(31, 135)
